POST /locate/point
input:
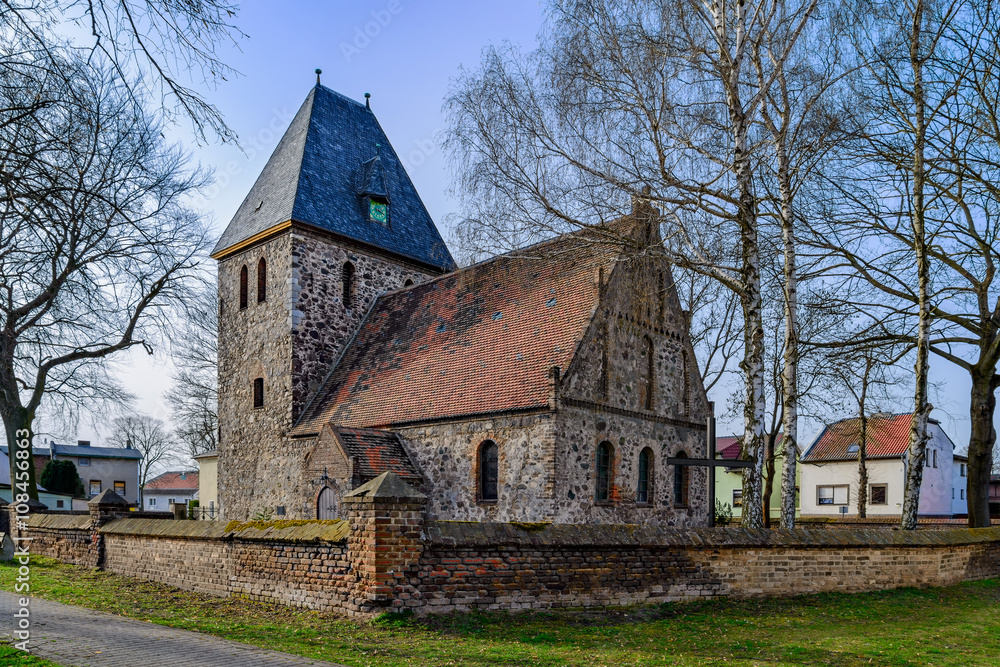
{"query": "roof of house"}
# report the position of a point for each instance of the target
(175, 481)
(888, 437)
(318, 175)
(376, 452)
(96, 452)
(728, 447)
(477, 341)
(207, 455)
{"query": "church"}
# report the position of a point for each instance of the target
(550, 384)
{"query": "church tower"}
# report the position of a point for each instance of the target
(332, 221)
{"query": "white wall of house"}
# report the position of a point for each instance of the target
(159, 501)
(960, 480)
(935, 492)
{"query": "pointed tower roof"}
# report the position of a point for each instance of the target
(333, 154)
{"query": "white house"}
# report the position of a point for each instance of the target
(170, 487)
(829, 485)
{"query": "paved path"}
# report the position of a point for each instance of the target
(78, 637)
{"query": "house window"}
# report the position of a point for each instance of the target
(261, 281)
(60, 503)
(152, 502)
(878, 494)
(962, 470)
(962, 496)
(258, 392)
(681, 482)
(489, 472)
(95, 487)
(348, 287)
(934, 454)
(650, 372)
(645, 467)
(832, 495)
(120, 488)
(737, 497)
(170, 501)
(244, 279)
(83, 462)
(605, 455)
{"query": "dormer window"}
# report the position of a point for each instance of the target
(374, 191)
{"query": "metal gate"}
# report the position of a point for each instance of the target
(326, 504)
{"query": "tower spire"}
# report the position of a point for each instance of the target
(318, 72)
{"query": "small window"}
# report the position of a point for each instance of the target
(244, 288)
(60, 503)
(878, 494)
(962, 496)
(832, 495)
(258, 392)
(152, 502)
(489, 473)
(953, 494)
(681, 482)
(83, 462)
(605, 455)
(120, 488)
(408, 283)
(737, 497)
(853, 449)
(170, 501)
(348, 287)
(261, 281)
(934, 456)
(962, 470)
(642, 493)
(95, 487)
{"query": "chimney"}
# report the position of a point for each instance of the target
(83, 443)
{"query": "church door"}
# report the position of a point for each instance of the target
(326, 504)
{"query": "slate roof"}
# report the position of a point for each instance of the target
(316, 174)
(888, 437)
(480, 340)
(96, 452)
(376, 452)
(180, 480)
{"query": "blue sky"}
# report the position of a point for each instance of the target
(405, 53)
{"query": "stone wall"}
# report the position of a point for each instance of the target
(66, 537)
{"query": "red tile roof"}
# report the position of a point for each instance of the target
(477, 341)
(172, 481)
(888, 437)
(376, 452)
(729, 446)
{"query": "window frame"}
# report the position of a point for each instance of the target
(740, 503)
(152, 502)
(604, 473)
(871, 493)
(244, 287)
(644, 482)
(258, 393)
(115, 487)
(83, 461)
(833, 497)
(262, 280)
(482, 471)
(100, 487)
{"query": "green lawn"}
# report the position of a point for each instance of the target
(959, 625)
(11, 657)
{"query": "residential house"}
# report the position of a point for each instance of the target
(115, 468)
(830, 478)
(54, 501)
(208, 485)
(729, 481)
(170, 487)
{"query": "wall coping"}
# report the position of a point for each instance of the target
(59, 521)
(254, 531)
(472, 534)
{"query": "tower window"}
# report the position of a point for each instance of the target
(489, 472)
(642, 492)
(348, 278)
(261, 281)
(408, 283)
(258, 392)
(605, 455)
(681, 482)
(244, 288)
(650, 372)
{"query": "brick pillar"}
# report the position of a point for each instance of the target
(16, 518)
(103, 508)
(387, 519)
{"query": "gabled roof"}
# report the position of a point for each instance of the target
(888, 437)
(376, 452)
(728, 447)
(316, 176)
(480, 340)
(179, 480)
(96, 452)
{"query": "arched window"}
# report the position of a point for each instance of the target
(244, 288)
(650, 372)
(261, 281)
(605, 457)
(348, 277)
(258, 392)
(643, 489)
(489, 472)
(681, 479)
(408, 283)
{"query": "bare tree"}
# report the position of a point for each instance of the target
(95, 241)
(194, 396)
(149, 437)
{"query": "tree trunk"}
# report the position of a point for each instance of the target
(789, 372)
(981, 442)
(921, 408)
(769, 478)
(863, 463)
(17, 426)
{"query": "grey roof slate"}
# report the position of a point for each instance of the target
(96, 452)
(316, 174)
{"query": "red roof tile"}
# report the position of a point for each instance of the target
(172, 481)
(376, 452)
(479, 340)
(888, 437)
(729, 446)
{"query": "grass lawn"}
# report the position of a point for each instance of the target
(943, 626)
(11, 657)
